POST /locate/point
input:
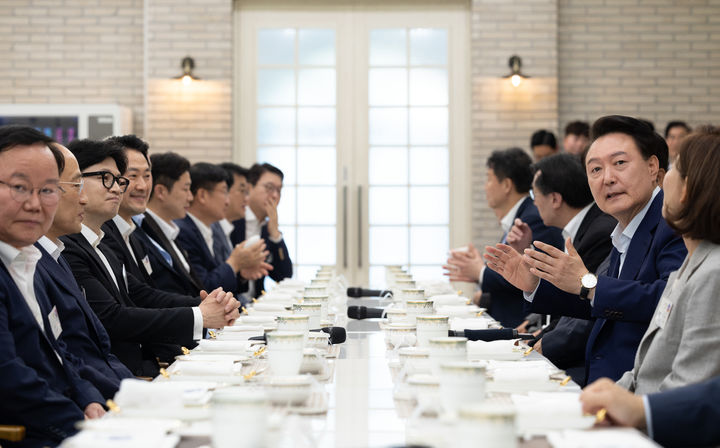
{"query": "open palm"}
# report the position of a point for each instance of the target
(504, 260)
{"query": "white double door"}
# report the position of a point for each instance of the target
(365, 112)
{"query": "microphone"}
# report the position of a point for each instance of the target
(338, 335)
(491, 335)
(356, 292)
(363, 312)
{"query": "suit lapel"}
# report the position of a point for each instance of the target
(99, 265)
(642, 240)
(585, 226)
(153, 230)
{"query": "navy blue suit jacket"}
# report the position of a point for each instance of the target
(212, 273)
(687, 416)
(622, 306)
(83, 334)
(279, 256)
(37, 390)
(507, 304)
(167, 276)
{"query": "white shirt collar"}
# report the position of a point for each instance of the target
(621, 237)
(205, 231)
(125, 228)
(169, 229)
(92, 237)
(227, 227)
(507, 221)
(50, 247)
(25, 257)
(571, 228)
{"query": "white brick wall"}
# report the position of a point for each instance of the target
(72, 51)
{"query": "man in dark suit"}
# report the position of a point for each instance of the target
(261, 220)
(134, 314)
(563, 198)
(39, 386)
(622, 165)
(210, 199)
(83, 333)
(686, 416)
(508, 182)
(170, 198)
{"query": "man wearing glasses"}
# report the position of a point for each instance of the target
(135, 315)
(83, 333)
(39, 386)
(261, 219)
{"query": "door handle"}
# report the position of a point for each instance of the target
(345, 227)
(360, 226)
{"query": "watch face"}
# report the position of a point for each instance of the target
(589, 281)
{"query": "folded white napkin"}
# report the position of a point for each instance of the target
(625, 437)
(122, 439)
(257, 319)
(472, 323)
(540, 412)
(214, 345)
(208, 368)
(465, 311)
(448, 299)
(260, 306)
(519, 375)
(142, 394)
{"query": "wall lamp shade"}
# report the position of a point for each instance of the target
(516, 75)
(188, 65)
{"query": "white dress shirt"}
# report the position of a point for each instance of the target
(54, 249)
(253, 226)
(506, 224)
(94, 239)
(126, 228)
(170, 230)
(571, 228)
(205, 231)
(621, 238)
(227, 229)
(21, 265)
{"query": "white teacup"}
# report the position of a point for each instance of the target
(461, 383)
(312, 310)
(295, 322)
(315, 291)
(492, 423)
(447, 349)
(285, 352)
(323, 300)
(414, 308)
(232, 405)
(429, 327)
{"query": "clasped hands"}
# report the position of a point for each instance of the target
(219, 308)
(524, 271)
(250, 261)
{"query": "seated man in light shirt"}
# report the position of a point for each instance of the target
(215, 269)
(134, 314)
(39, 386)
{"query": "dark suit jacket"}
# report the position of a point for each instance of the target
(134, 315)
(37, 390)
(87, 342)
(168, 277)
(622, 306)
(507, 304)
(212, 273)
(113, 239)
(279, 256)
(687, 416)
(564, 345)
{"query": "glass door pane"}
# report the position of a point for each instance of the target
(296, 131)
(408, 156)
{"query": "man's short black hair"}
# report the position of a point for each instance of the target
(677, 124)
(89, 152)
(564, 174)
(167, 169)
(543, 137)
(578, 128)
(649, 142)
(233, 169)
(17, 135)
(131, 141)
(514, 164)
(258, 169)
(206, 176)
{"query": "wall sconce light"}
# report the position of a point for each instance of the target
(516, 75)
(188, 65)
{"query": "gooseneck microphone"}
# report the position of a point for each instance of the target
(356, 292)
(363, 312)
(491, 335)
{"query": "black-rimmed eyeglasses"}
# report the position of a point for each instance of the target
(109, 179)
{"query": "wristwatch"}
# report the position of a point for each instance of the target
(588, 283)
